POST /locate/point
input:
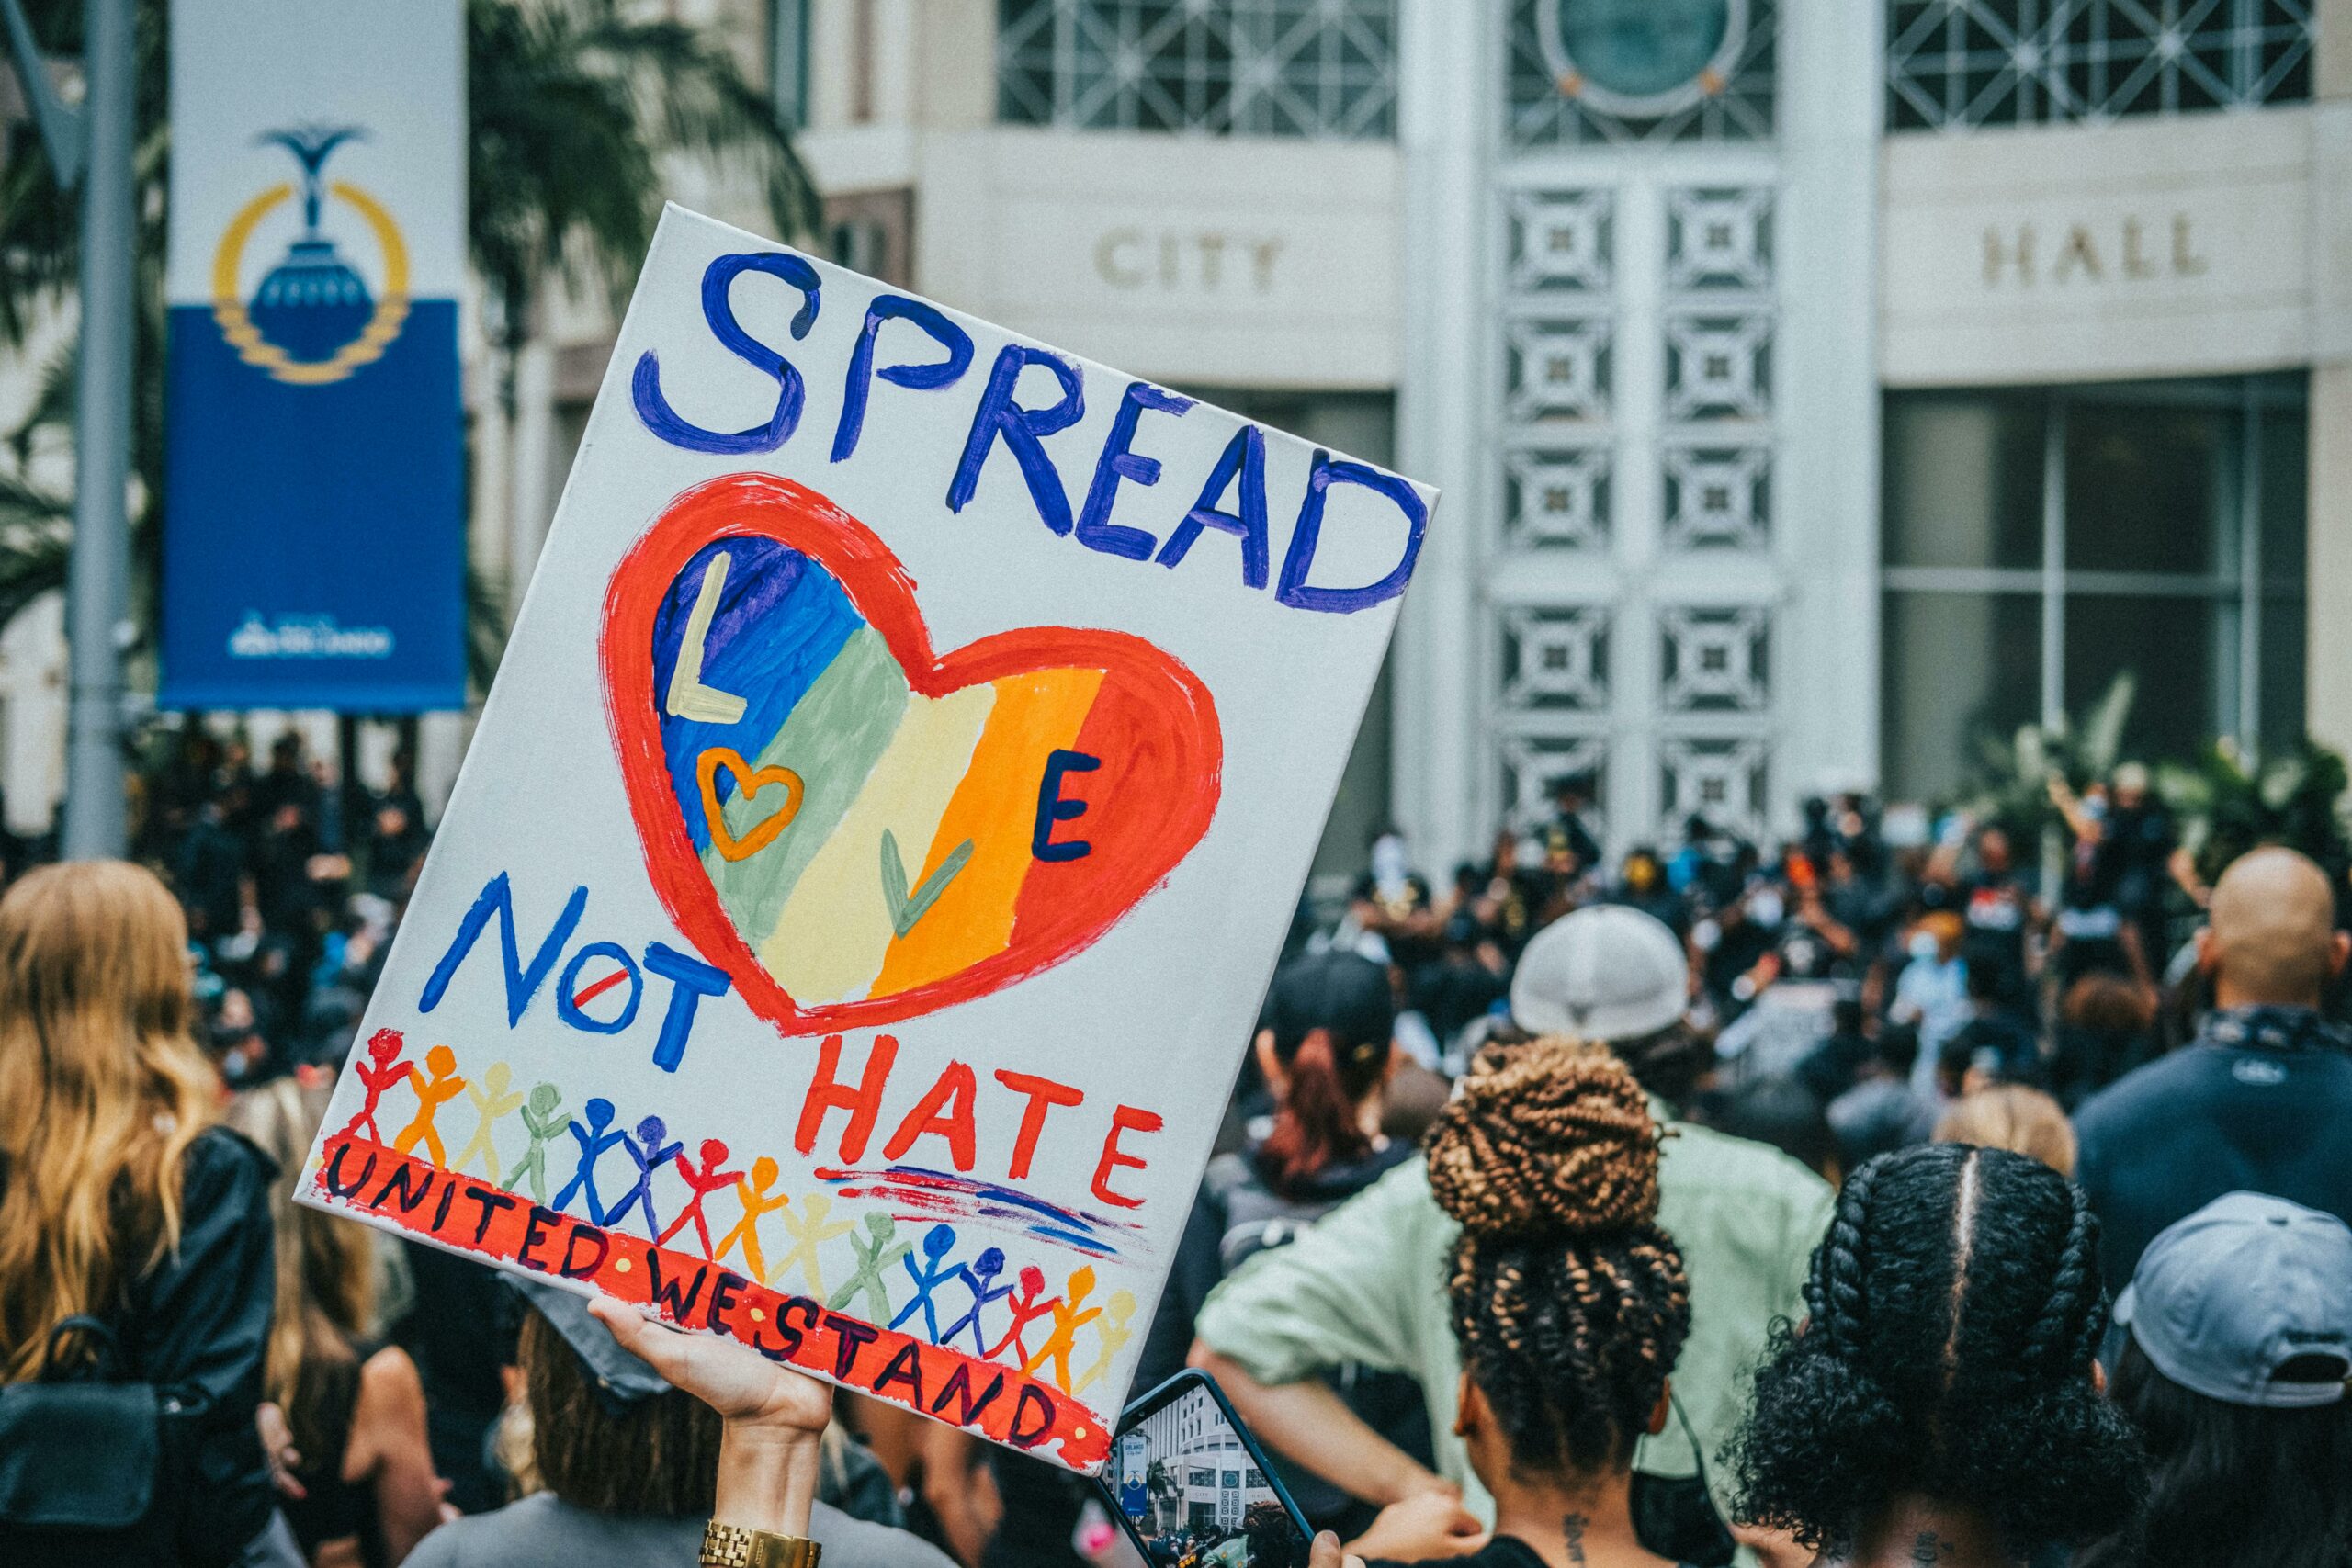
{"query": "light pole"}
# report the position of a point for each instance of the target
(98, 580)
(91, 146)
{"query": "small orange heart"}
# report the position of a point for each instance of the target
(748, 782)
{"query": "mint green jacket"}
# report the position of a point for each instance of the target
(1367, 1284)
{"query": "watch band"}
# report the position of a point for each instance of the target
(732, 1546)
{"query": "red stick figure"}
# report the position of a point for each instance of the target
(1026, 1309)
(705, 1182)
(382, 1046)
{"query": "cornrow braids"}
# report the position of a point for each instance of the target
(1955, 1304)
(2074, 1318)
(1569, 1304)
(1833, 1291)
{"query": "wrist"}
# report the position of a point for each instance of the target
(1406, 1479)
(767, 1476)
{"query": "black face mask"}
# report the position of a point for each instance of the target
(1674, 1516)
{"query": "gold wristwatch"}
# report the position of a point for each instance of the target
(732, 1546)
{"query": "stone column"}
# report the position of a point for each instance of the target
(1826, 512)
(2327, 655)
(1446, 93)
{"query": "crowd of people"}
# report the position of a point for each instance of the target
(1703, 1206)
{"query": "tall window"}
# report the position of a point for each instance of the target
(1952, 63)
(1309, 68)
(2040, 543)
(788, 60)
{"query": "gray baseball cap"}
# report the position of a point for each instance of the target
(2226, 1297)
(620, 1378)
(1604, 973)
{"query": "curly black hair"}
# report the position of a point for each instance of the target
(1955, 1307)
(1570, 1304)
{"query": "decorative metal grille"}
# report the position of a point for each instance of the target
(1716, 468)
(1718, 497)
(1533, 766)
(1308, 68)
(1718, 239)
(1737, 106)
(1713, 661)
(1562, 240)
(1557, 498)
(1555, 660)
(1558, 368)
(1718, 366)
(1721, 778)
(1955, 64)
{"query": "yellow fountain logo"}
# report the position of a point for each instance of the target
(312, 319)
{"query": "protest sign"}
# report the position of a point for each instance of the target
(863, 883)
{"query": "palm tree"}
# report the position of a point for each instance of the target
(572, 109)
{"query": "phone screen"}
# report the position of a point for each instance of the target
(1193, 1488)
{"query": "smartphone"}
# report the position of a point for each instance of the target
(1193, 1488)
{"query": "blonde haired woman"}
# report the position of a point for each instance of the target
(364, 1493)
(119, 1202)
(2011, 1116)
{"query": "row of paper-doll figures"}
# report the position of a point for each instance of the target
(951, 1301)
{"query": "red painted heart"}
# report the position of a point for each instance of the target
(962, 821)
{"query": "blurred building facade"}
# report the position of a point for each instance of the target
(1816, 385)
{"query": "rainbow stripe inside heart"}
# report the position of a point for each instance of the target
(783, 668)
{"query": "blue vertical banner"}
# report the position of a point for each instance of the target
(314, 522)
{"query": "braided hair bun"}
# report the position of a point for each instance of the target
(1552, 1139)
(1569, 1304)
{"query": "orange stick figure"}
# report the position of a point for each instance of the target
(446, 1086)
(1068, 1321)
(753, 1195)
(382, 1046)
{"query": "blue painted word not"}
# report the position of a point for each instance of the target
(690, 978)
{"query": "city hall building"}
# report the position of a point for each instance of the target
(1818, 387)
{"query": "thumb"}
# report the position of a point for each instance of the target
(635, 1334)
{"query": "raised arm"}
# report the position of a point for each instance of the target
(1343, 1291)
(1307, 1422)
(773, 1417)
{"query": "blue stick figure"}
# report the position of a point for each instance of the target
(984, 1268)
(936, 1271)
(594, 1140)
(649, 1158)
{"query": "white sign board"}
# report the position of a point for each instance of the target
(863, 879)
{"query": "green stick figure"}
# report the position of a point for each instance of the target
(544, 1116)
(492, 1104)
(868, 1280)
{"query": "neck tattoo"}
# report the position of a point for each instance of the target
(1929, 1548)
(1572, 1530)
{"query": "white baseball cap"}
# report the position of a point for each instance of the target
(1604, 973)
